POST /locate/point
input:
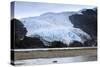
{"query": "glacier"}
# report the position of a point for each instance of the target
(54, 27)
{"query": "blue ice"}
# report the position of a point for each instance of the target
(74, 36)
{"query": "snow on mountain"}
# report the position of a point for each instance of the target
(54, 27)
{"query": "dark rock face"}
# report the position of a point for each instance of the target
(29, 42)
(85, 44)
(76, 44)
(87, 21)
(22, 41)
(57, 44)
(18, 31)
(90, 43)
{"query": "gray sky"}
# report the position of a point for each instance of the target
(31, 9)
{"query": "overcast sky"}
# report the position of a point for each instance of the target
(31, 9)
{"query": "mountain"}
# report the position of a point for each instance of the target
(87, 21)
(58, 27)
